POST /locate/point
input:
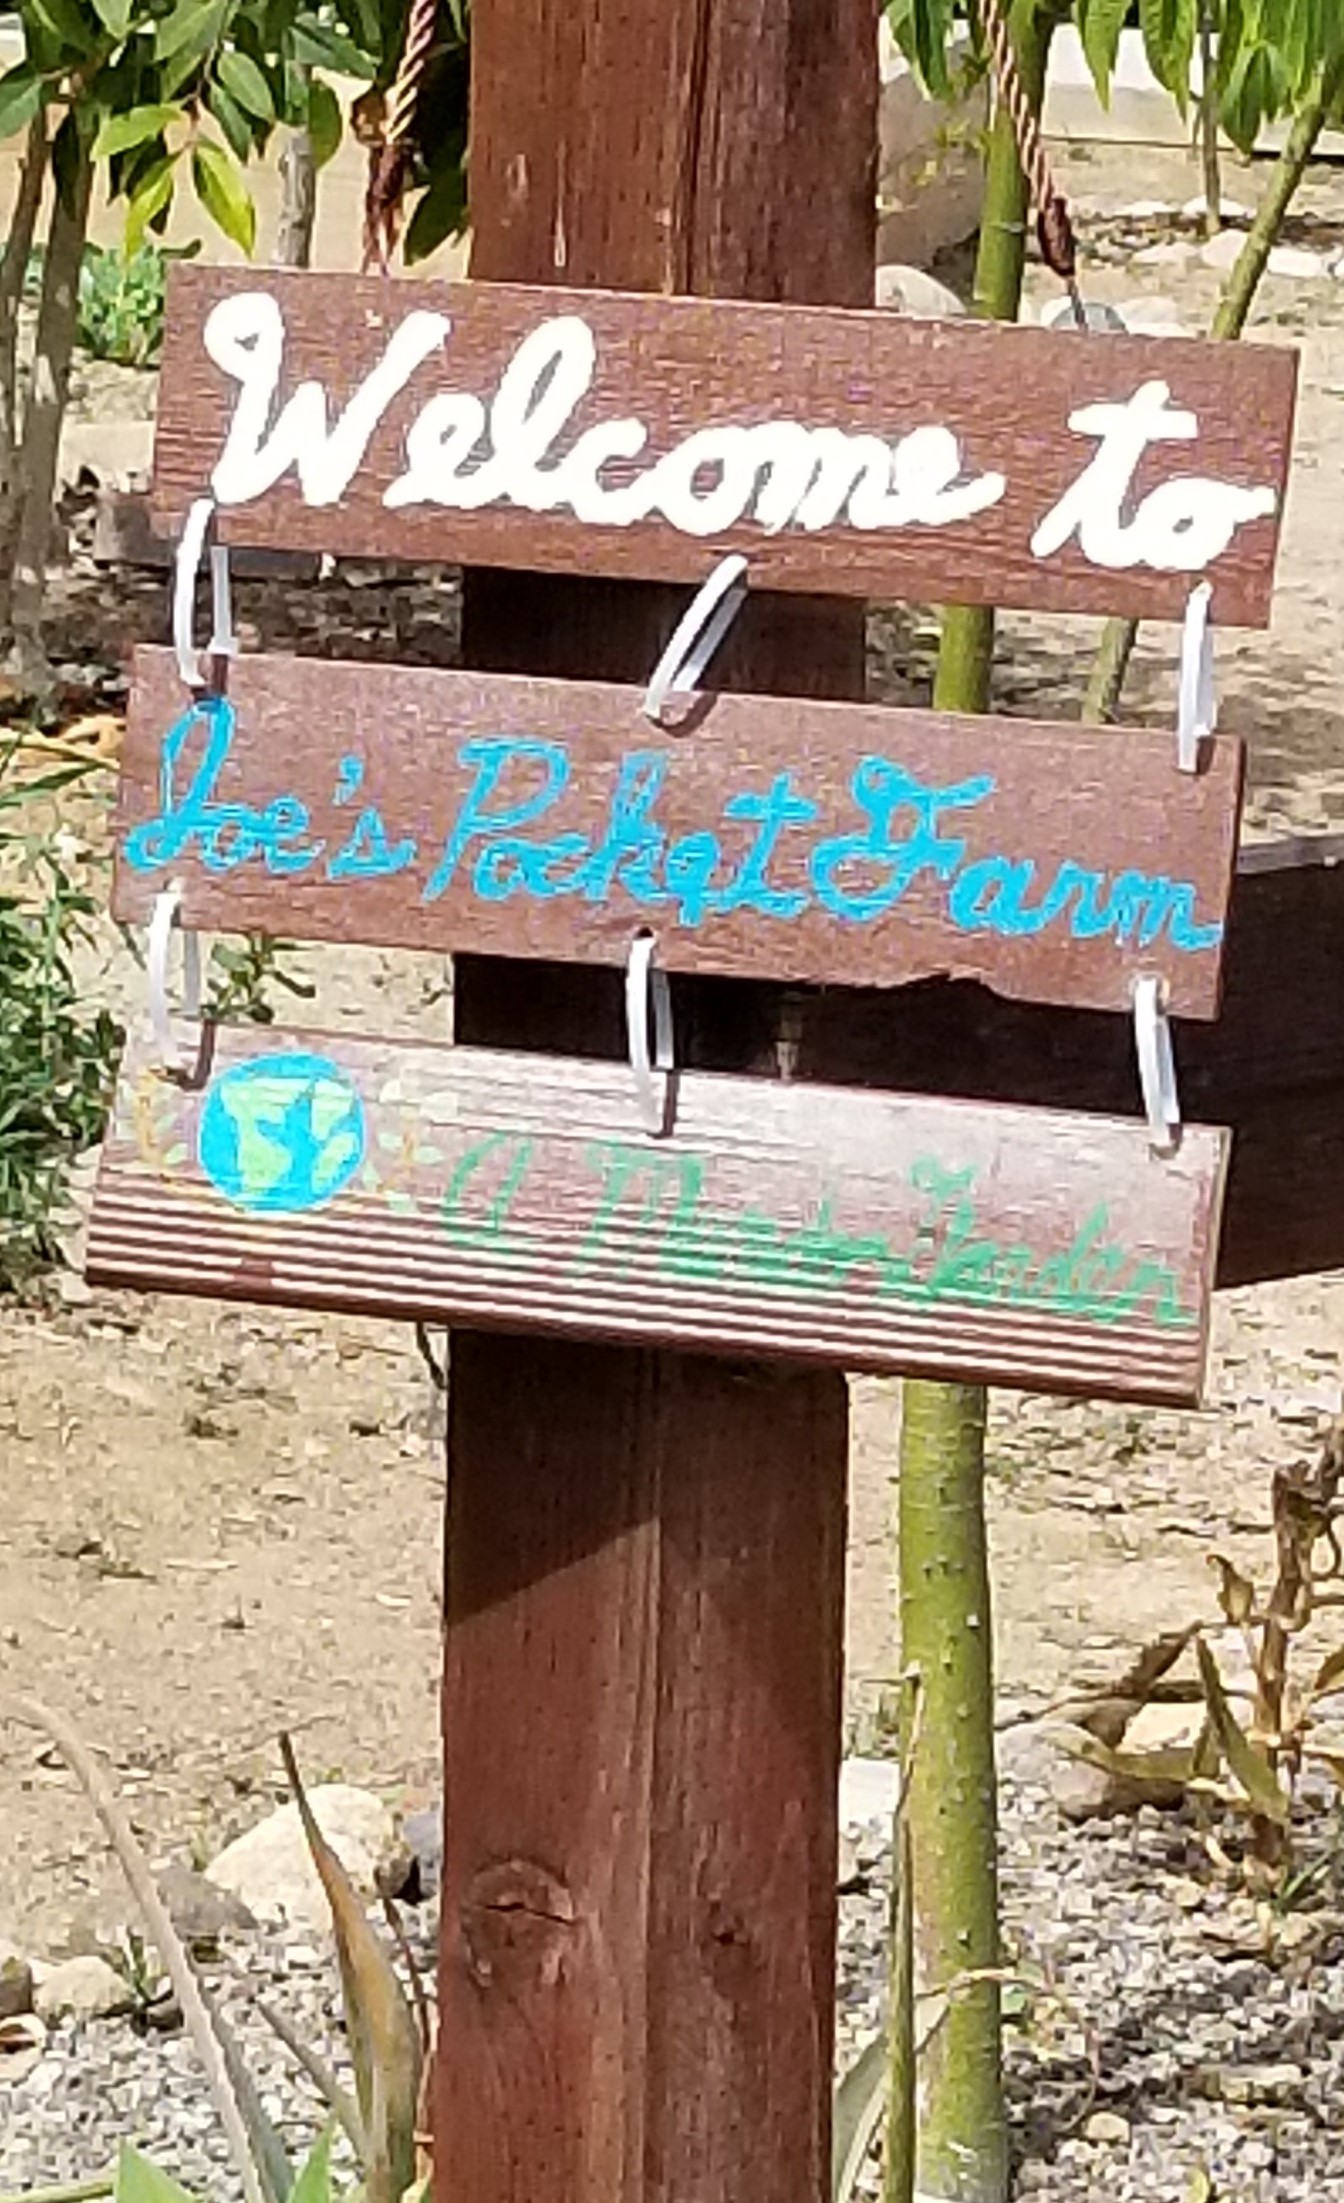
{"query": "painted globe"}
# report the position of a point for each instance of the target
(281, 1134)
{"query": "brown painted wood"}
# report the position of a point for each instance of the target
(689, 146)
(797, 1222)
(688, 368)
(1271, 1068)
(391, 766)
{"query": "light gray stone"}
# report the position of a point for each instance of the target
(1059, 314)
(1296, 263)
(1107, 2127)
(200, 1910)
(83, 1989)
(270, 1869)
(1223, 251)
(903, 290)
(1174, 254)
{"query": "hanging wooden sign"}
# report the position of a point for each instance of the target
(767, 838)
(862, 454)
(873, 1231)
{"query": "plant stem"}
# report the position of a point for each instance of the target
(952, 1809)
(44, 416)
(13, 270)
(1208, 119)
(1111, 664)
(298, 205)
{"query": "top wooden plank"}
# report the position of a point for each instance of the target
(857, 454)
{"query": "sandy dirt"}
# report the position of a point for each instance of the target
(214, 1522)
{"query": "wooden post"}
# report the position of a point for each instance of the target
(645, 1551)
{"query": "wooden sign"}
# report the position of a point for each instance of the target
(841, 844)
(863, 454)
(881, 1232)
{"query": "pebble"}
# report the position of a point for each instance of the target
(82, 1988)
(904, 290)
(270, 1871)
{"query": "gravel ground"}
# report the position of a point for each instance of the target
(1159, 2056)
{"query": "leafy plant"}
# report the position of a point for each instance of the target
(121, 301)
(1252, 1765)
(57, 1058)
(388, 2047)
(242, 975)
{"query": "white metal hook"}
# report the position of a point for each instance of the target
(647, 990)
(223, 641)
(167, 912)
(1157, 1065)
(1198, 708)
(697, 636)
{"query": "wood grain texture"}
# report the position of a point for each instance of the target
(724, 147)
(843, 844)
(682, 366)
(1270, 1067)
(800, 1223)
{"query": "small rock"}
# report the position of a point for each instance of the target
(200, 1911)
(270, 1869)
(1172, 255)
(1146, 210)
(1260, 2084)
(1223, 251)
(1229, 210)
(16, 1982)
(904, 290)
(1295, 262)
(1059, 314)
(1107, 2127)
(82, 1989)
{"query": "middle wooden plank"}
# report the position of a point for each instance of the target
(841, 844)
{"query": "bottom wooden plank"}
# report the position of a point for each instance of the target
(870, 1231)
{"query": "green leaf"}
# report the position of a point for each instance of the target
(441, 213)
(115, 16)
(63, 22)
(120, 132)
(324, 48)
(324, 122)
(222, 192)
(1100, 24)
(859, 2102)
(138, 2181)
(1169, 28)
(151, 195)
(231, 119)
(1246, 1763)
(244, 82)
(313, 2184)
(20, 98)
(191, 28)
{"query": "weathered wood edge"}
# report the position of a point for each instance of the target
(158, 1222)
(311, 712)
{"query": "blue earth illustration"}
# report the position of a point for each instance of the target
(282, 1133)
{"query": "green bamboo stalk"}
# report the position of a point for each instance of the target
(952, 1797)
(1116, 648)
